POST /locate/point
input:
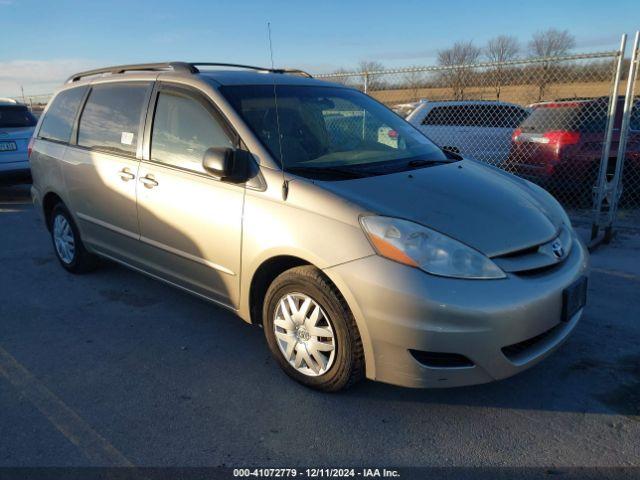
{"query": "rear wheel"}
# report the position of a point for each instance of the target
(67, 243)
(311, 331)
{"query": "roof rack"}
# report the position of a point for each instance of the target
(293, 71)
(183, 67)
(175, 66)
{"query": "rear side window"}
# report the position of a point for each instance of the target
(111, 117)
(183, 129)
(487, 116)
(58, 121)
(441, 116)
(16, 116)
(585, 117)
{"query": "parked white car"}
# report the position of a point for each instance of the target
(405, 109)
(478, 129)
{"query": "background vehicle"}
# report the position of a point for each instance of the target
(477, 129)
(16, 127)
(404, 109)
(559, 146)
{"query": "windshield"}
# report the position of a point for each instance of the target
(330, 129)
(16, 116)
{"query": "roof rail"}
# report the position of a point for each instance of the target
(175, 66)
(183, 67)
(293, 71)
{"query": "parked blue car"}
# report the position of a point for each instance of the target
(16, 127)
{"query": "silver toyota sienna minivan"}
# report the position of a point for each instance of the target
(312, 210)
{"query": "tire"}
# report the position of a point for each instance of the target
(344, 364)
(74, 259)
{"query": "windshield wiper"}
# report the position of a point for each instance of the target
(396, 167)
(423, 163)
(326, 172)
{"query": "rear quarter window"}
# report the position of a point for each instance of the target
(587, 117)
(442, 116)
(57, 123)
(111, 117)
(544, 119)
(484, 116)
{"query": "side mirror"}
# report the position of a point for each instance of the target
(218, 161)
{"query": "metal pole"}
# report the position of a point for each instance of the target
(624, 131)
(364, 112)
(601, 184)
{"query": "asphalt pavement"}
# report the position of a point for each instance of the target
(114, 368)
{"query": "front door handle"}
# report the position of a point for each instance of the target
(149, 181)
(126, 175)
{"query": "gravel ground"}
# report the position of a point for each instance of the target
(113, 368)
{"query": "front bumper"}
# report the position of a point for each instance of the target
(403, 308)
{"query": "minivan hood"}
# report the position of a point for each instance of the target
(490, 210)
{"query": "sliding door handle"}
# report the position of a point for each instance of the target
(126, 175)
(149, 181)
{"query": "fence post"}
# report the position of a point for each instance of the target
(366, 82)
(624, 131)
(601, 187)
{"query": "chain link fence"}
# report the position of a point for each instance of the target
(544, 119)
(548, 120)
(36, 103)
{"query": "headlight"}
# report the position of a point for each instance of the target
(412, 244)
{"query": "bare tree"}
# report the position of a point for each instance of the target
(344, 78)
(458, 59)
(371, 81)
(413, 81)
(499, 50)
(551, 43)
(548, 44)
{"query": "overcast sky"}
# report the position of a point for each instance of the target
(42, 42)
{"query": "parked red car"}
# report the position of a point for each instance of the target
(559, 146)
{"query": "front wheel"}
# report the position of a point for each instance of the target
(311, 331)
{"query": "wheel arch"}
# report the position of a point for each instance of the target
(270, 268)
(49, 201)
(263, 276)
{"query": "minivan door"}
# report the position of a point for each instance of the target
(101, 168)
(190, 222)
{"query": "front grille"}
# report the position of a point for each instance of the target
(441, 359)
(536, 259)
(523, 251)
(522, 349)
(538, 271)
